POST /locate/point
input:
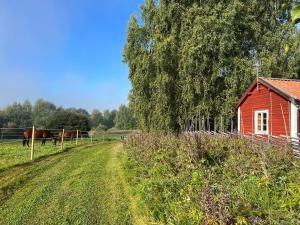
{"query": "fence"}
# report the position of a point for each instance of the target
(12, 142)
(30, 136)
(210, 124)
(281, 141)
(266, 141)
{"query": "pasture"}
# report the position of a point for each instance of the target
(12, 152)
(80, 185)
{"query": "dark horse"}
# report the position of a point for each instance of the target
(38, 134)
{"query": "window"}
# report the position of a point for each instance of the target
(262, 122)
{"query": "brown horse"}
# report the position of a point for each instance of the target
(69, 134)
(38, 134)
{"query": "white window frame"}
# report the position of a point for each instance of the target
(256, 122)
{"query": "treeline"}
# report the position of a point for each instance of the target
(193, 59)
(46, 115)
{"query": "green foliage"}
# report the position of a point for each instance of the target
(124, 119)
(213, 180)
(41, 112)
(295, 13)
(96, 118)
(17, 115)
(108, 118)
(2, 119)
(195, 58)
(45, 115)
(100, 128)
(68, 120)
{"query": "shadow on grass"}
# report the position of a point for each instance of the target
(37, 168)
(43, 157)
(34, 168)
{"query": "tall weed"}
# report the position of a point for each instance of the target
(202, 179)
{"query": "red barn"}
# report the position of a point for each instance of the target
(270, 106)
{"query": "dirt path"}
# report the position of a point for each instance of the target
(83, 186)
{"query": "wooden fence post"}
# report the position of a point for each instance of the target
(62, 139)
(208, 123)
(92, 137)
(32, 143)
(215, 125)
(222, 128)
(1, 134)
(77, 137)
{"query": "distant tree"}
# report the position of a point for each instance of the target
(2, 119)
(100, 128)
(69, 120)
(108, 118)
(42, 110)
(80, 111)
(27, 114)
(18, 115)
(96, 118)
(124, 118)
(83, 112)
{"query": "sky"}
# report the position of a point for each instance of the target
(68, 52)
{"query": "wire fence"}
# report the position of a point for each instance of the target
(22, 145)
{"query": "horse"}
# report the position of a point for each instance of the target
(39, 134)
(70, 134)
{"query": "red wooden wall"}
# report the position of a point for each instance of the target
(262, 98)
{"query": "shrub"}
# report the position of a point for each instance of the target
(202, 179)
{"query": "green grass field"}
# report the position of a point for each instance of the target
(13, 153)
(82, 185)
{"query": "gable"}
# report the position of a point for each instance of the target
(278, 89)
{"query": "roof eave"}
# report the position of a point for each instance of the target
(281, 92)
(269, 85)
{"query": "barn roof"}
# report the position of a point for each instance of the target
(290, 87)
(287, 88)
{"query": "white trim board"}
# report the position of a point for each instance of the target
(294, 120)
(239, 119)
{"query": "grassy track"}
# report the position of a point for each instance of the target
(84, 185)
(14, 153)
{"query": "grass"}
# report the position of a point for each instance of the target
(13, 153)
(82, 185)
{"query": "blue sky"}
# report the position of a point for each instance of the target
(66, 51)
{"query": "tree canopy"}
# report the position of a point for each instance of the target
(42, 110)
(17, 115)
(124, 118)
(193, 59)
(46, 115)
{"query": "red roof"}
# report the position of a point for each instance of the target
(289, 87)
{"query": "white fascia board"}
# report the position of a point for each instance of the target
(294, 120)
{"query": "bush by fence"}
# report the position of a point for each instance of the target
(214, 179)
